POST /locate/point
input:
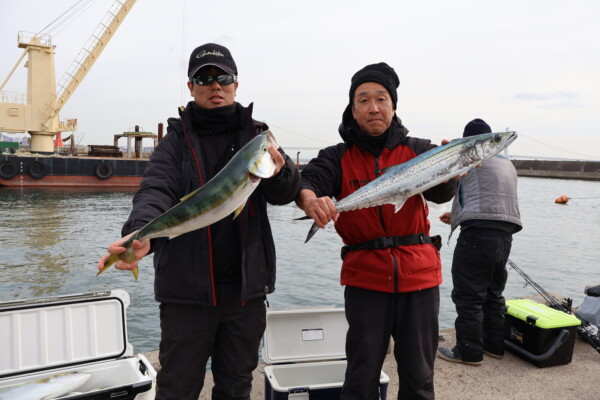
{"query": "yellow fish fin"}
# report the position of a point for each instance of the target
(239, 210)
(190, 194)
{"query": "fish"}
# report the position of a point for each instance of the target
(226, 193)
(46, 388)
(400, 182)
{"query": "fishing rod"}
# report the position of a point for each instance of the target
(588, 332)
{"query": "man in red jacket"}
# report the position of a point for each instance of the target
(392, 286)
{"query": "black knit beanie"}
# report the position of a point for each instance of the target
(476, 127)
(380, 73)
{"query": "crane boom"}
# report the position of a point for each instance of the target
(39, 115)
(88, 55)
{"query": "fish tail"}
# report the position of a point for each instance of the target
(109, 261)
(313, 229)
(127, 256)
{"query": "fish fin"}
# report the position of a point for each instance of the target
(313, 229)
(399, 205)
(239, 210)
(190, 194)
(386, 170)
(302, 218)
(135, 273)
(423, 199)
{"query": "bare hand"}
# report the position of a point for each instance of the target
(445, 218)
(320, 209)
(140, 249)
(277, 159)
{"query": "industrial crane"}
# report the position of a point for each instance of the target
(38, 113)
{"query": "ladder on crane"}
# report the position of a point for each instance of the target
(39, 117)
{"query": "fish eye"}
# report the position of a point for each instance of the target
(497, 138)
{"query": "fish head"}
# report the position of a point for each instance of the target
(271, 139)
(261, 164)
(489, 144)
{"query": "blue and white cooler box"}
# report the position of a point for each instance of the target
(80, 339)
(306, 350)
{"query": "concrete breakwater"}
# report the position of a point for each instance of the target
(558, 169)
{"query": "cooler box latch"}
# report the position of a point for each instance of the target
(299, 394)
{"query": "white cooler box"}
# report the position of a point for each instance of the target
(68, 337)
(306, 348)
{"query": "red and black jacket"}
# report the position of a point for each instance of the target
(342, 169)
(183, 265)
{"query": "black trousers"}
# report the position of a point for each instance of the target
(412, 320)
(229, 334)
(479, 277)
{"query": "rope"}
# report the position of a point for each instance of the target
(65, 16)
(183, 50)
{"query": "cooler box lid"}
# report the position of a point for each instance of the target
(545, 317)
(305, 334)
(45, 333)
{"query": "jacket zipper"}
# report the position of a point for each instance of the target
(382, 221)
(209, 233)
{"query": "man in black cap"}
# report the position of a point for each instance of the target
(487, 210)
(390, 268)
(212, 282)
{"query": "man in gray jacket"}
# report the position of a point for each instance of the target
(487, 211)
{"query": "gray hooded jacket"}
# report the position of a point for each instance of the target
(488, 193)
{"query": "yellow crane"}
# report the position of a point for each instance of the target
(38, 112)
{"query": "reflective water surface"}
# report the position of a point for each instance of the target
(51, 240)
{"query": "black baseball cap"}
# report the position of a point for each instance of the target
(211, 54)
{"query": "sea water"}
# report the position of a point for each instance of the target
(51, 240)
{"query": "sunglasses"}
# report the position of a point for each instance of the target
(205, 80)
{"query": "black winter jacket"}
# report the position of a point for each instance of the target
(183, 265)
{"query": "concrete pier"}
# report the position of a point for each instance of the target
(558, 169)
(509, 378)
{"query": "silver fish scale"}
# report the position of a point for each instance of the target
(426, 170)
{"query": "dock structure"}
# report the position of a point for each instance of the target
(508, 378)
(558, 169)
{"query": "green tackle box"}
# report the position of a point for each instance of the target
(539, 334)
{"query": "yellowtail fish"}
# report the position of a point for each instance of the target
(47, 388)
(423, 172)
(226, 193)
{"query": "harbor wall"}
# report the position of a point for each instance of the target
(558, 169)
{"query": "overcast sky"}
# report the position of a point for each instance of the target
(529, 66)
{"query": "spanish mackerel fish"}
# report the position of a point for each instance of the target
(428, 169)
(47, 388)
(226, 193)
